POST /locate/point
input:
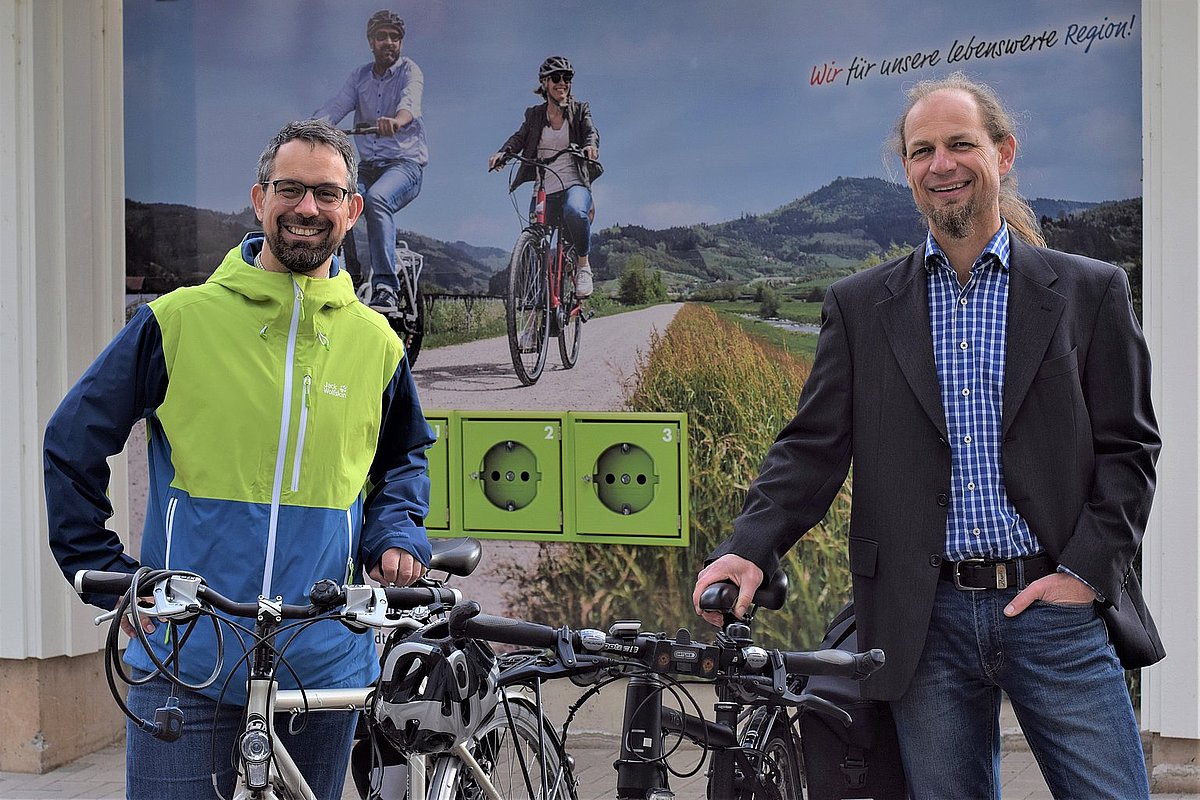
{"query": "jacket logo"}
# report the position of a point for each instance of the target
(335, 390)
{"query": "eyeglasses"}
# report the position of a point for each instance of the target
(387, 36)
(560, 77)
(328, 196)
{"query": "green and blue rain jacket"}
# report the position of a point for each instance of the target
(286, 445)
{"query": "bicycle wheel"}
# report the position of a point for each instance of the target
(570, 322)
(411, 327)
(775, 755)
(527, 310)
(501, 749)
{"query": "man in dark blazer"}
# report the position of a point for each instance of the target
(993, 398)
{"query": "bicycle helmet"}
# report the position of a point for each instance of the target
(385, 18)
(555, 64)
(433, 695)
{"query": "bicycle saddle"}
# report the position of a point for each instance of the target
(722, 596)
(458, 556)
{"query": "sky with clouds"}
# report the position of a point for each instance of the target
(707, 109)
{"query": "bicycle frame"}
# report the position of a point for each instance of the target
(263, 762)
(641, 768)
(555, 256)
(418, 767)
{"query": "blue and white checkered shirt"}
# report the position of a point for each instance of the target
(969, 340)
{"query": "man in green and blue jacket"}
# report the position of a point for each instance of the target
(271, 397)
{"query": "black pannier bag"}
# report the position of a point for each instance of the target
(861, 762)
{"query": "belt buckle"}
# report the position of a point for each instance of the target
(958, 579)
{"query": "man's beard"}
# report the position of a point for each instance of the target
(386, 60)
(298, 257)
(957, 222)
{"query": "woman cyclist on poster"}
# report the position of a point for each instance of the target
(548, 128)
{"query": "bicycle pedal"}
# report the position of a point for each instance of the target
(585, 314)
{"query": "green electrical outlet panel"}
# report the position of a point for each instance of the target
(627, 477)
(596, 477)
(439, 472)
(511, 474)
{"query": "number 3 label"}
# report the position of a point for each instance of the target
(668, 434)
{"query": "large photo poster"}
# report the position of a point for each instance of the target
(744, 169)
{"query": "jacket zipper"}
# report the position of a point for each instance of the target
(171, 504)
(305, 400)
(281, 451)
(349, 545)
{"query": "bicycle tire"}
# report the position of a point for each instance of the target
(776, 756)
(495, 748)
(413, 333)
(527, 307)
(570, 323)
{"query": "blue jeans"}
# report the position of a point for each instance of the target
(573, 207)
(386, 187)
(181, 769)
(1065, 684)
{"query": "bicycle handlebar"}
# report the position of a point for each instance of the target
(181, 594)
(361, 130)
(834, 662)
(660, 653)
(573, 149)
(503, 630)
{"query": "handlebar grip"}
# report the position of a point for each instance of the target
(868, 662)
(834, 662)
(96, 581)
(504, 630)
(409, 597)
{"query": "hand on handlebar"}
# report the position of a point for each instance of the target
(735, 569)
(591, 153)
(148, 623)
(397, 567)
(497, 161)
(390, 126)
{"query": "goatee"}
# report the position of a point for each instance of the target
(298, 257)
(957, 222)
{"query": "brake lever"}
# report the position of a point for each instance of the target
(368, 606)
(820, 705)
(175, 598)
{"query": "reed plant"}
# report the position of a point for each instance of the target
(738, 392)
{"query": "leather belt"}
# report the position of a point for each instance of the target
(976, 574)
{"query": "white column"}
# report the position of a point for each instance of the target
(61, 224)
(1171, 251)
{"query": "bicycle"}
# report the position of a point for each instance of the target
(265, 770)
(752, 740)
(541, 300)
(408, 318)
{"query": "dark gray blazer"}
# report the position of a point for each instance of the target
(1079, 446)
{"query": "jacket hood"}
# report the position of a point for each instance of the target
(238, 274)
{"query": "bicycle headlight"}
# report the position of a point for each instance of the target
(256, 747)
(256, 757)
